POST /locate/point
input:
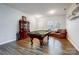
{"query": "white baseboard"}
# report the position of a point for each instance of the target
(71, 41)
(7, 42)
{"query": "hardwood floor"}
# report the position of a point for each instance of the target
(55, 46)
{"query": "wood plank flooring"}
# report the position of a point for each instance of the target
(55, 46)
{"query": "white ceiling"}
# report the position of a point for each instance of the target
(40, 8)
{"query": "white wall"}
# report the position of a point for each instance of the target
(73, 30)
(44, 23)
(8, 23)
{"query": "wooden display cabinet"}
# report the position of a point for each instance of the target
(23, 28)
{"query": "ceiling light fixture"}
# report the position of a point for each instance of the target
(51, 12)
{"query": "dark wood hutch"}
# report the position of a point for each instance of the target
(23, 28)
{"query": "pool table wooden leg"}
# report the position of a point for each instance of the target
(31, 41)
(41, 42)
(48, 39)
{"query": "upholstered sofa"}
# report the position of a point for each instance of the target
(60, 33)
